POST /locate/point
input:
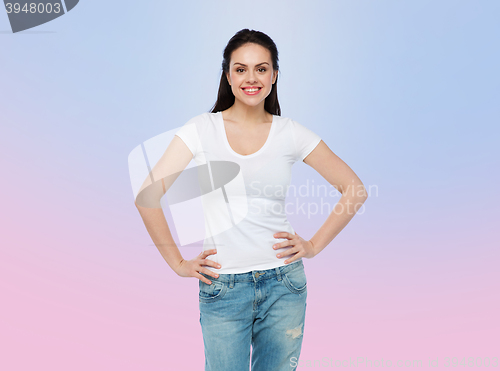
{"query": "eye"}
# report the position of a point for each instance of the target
(261, 68)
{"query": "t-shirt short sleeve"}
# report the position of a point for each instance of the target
(305, 140)
(189, 135)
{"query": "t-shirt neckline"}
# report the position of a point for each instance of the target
(228, 146)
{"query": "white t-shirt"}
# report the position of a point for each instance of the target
(247, 245)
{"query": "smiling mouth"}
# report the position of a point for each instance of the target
(251, 90)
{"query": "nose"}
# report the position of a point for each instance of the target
(251, 78)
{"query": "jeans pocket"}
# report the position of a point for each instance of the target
(212, 293)
(295, 280)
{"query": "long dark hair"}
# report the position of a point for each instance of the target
(225, 96)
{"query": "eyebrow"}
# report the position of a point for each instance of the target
(255, 65)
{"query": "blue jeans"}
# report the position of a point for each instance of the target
(265, 309)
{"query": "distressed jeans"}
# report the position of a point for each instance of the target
(264, 309)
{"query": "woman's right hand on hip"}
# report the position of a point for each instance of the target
(193, 267)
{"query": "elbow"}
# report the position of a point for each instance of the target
(148, 203)
(363, 193)
(356, 191)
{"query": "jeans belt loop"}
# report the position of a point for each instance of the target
(278, 273)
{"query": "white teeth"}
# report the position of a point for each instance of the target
(251, 90)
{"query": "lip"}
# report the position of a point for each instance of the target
(251, 87)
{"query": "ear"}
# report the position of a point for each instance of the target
(275, 76)
(227, 77)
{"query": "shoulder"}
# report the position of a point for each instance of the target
(297, 127)
(200, 118)
(288, 123)
(282, 120)
(285, 120)
(201, 121)
(206, 118)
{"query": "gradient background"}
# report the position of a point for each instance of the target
(405, 92)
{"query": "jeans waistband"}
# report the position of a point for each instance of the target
(256, 275)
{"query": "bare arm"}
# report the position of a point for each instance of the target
(341, 176)
(175, 159)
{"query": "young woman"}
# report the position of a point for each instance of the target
(252, 283)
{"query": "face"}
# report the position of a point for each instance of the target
(251, 66)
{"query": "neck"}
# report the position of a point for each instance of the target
(247, 115)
